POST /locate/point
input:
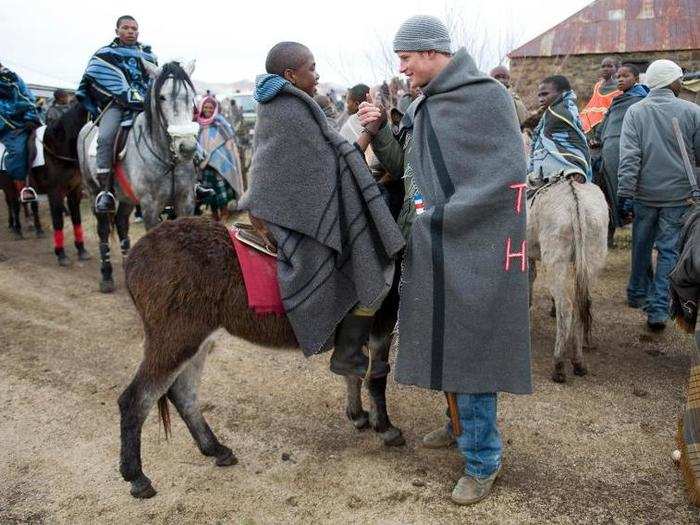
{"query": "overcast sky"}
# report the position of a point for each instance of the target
(230, 39)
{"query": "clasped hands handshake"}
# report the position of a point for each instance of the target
(371, 116)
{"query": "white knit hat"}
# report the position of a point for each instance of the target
(661, 73)
(423, 33)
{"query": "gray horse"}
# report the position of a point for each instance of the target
(157, 170)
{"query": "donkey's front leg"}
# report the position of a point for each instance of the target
(356, 414)
(379, 417)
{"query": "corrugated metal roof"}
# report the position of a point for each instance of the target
(621, 26)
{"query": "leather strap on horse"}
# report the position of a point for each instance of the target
(56, 155)
(454, 413)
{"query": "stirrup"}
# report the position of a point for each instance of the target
(27, 194)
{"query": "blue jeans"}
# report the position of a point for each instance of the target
(660, 227)
(480, 442)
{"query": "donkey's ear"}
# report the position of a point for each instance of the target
(189, 67)
(152, 70)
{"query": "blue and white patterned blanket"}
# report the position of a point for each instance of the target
(559, 144)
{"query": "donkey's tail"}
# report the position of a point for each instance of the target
(582, 293)
(164, 413)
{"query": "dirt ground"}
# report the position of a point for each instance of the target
(595, 450)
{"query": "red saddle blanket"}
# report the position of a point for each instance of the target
(259, 276)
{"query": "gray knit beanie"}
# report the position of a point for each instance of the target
(423, 33)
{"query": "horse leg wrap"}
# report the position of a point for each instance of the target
(78, 234)
(125, 245)
(58, 241)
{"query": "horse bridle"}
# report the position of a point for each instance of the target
(170, 164)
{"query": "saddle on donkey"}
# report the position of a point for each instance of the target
(259, 269)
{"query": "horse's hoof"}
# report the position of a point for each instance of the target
(64, 261)
(580, 370)
(18, 236)
(84, 255)
(40, 234)
(393, 438)
(142, 488)
(107, 286)
(227, 459)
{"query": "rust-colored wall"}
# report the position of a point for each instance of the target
(582, 70)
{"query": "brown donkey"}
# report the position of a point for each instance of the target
(185, 281)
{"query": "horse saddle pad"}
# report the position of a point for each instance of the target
(38, 145)
(259, 269)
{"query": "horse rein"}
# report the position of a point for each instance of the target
(170, 166)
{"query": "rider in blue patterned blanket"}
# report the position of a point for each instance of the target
(114, 86)
(559, 146)
(18, 117)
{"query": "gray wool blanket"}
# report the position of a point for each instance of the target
(463, 319)
(335, 235)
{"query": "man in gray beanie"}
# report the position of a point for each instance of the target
(654, 184)
(463, 318)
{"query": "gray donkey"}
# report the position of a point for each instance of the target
(567, 229)
(156, 169)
